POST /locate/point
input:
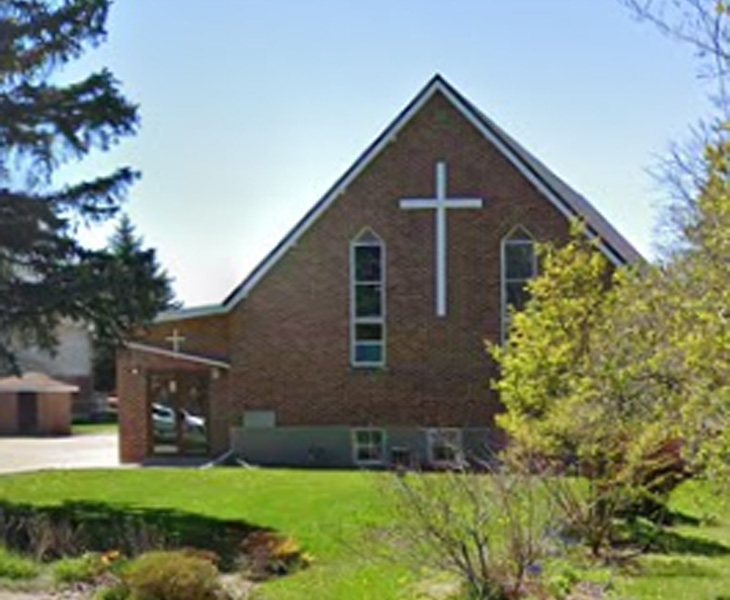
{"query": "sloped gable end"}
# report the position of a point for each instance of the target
(569, 202)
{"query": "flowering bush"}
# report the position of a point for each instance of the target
(265, 554)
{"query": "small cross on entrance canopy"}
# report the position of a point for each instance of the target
(440, 204)
(175, 339)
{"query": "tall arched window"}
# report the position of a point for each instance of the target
(367, 300)
(519, 265)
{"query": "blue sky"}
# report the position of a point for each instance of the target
(251, 109)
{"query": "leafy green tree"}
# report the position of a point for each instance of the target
(627, 372)
(135, 288)
(693, 314)
(44, 275)
(698, 301)
(547, 351)
(585, 379)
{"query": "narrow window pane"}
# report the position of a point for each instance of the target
(517, 294)
(445, 446)
(367, 263)
(368, 300)
(444, 452)
(368, 332)
(519, 261)
(368, 353)
(369, 454)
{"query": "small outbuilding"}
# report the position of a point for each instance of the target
(35, 404)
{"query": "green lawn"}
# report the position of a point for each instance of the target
(328, 512)
(331, 512)
(91, 428)
(698, 565)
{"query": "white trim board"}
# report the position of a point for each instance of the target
(569, 202)
(178, 355)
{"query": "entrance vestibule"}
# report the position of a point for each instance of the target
(178, 413)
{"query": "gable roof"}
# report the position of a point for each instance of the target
(568, 201)
(32, 381)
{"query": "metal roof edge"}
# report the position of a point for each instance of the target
(211, 362)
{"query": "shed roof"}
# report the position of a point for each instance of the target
(32, 381)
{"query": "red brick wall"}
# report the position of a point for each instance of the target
(207, 336)
(290, 338)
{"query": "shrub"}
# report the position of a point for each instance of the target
(84, 568)
(53, 532)
(172, 575)
(15, 566)
(118, 591)
(492, 530)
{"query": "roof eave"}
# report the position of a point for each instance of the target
(184, 356)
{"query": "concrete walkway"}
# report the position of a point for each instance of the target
(74, 452)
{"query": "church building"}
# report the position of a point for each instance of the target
(359, 340)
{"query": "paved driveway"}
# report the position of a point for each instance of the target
(73, 452)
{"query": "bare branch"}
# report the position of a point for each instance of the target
(703, 25)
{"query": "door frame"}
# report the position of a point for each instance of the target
(177, 375)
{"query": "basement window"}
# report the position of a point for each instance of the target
(445, 447)
(368, 446)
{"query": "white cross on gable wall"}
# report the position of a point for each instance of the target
(175, 339)
(440, 204)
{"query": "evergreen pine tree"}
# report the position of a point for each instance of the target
(134, 289)
(44, 270)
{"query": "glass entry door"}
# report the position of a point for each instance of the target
(178, 413)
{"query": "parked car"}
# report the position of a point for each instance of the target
(165, 422)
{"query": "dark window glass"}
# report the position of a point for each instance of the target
(369, 445)
(367, 436)
(367, 263)
(443, 452)
(519, 261)
(445, 446)
(369, 332)
(368, 300)
(517, 294)
(368, 353)
(370, 453)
